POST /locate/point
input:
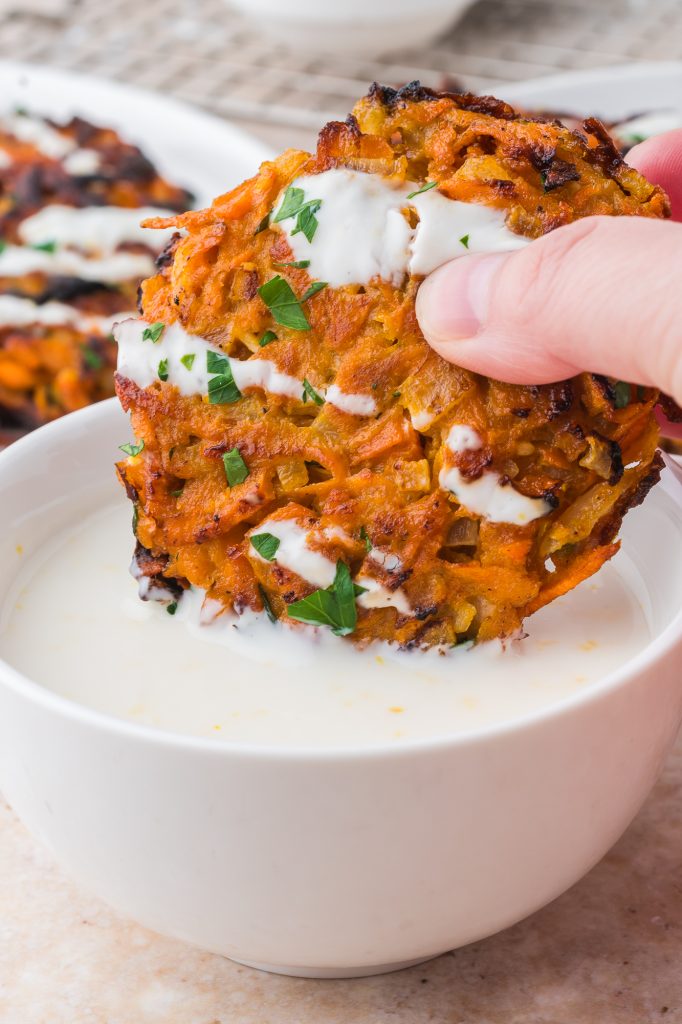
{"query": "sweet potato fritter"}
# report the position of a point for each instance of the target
(366, 488)
(54, 365)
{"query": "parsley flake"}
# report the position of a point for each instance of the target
(333, 607)
(153, 332)
(465, 241)
(188, 360)
(279, 297)
(295, 264)
(364, 536)
(266, 544)
(425, 188)
(266, 604)
(222, 389)
(163, 369)
(3, 245)
(294, 199)
(314, 288)
(172, 607)
(236, 470)
(265, 223)
(45, 246)
(92, 359)
(132, 449)
(622, 394)
(309, 392)
(295, 205)
(267, 338)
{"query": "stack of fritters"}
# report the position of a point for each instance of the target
(56, 352)
(369, 492)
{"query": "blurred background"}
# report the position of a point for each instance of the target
(284, 67)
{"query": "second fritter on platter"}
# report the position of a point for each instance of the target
(300, 450)
(71, 257)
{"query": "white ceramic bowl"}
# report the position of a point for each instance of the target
(330, 862)
(353, 28)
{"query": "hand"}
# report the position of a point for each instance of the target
(603, 294)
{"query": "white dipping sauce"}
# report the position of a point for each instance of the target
(363, 232)
(266, 684)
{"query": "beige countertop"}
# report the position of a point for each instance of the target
(607, 952)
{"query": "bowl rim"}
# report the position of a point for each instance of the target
(36, 693)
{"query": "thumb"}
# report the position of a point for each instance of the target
(602, 294)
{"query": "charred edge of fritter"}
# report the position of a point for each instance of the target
(19, 418)
(607, 530)
(152, 567)
(167, 254)
(61, 289)
(670, 408)
(415, 92)
(604, 155)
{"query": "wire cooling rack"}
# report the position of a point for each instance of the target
(201, 51)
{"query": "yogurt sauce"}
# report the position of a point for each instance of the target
(21, 312)
(139, 361)
(17, 260)
(487, 495)
(94, 229)
(250, 681)
(363, 232)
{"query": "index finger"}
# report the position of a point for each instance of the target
(660, 160)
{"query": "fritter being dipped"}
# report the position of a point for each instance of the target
(300, 450)
(72, 255)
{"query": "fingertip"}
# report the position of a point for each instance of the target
(659, 159)
(452, 302)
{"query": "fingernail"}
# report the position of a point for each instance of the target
(453, 302)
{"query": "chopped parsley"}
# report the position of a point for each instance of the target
(295, 205)
(3, 245)
(136, 516)
(622, 394)
(266, 545)
(267, 338)
(364, 536)
(132, 449)
(188, 360)
(92, 359)
(396, 394)
(465, 241)
(309, 392)
(296, 264)
(222, 389)
(425, 188)
(153, 332)
(236, 469)
(314, 288)
(266, 604)
(265, 223)
(172, 607)
(163, 369)
(45, 246)
(333, 607)
(279, 297)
